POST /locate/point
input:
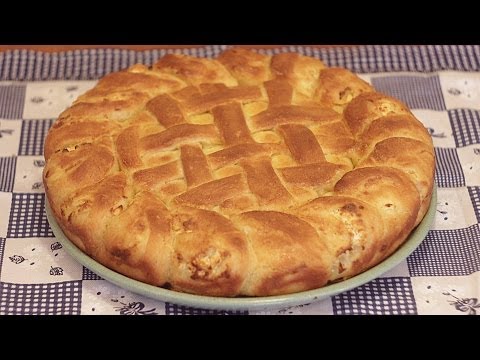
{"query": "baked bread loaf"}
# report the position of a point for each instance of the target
(245, 175)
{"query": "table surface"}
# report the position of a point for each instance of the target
(441, 84)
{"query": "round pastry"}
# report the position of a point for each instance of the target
(245, 175)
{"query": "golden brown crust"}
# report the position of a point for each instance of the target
(301, 71)
(194, 71)
(248, 67)
(145, 254)
(369, 106)
(248, 175)
(131, 81)
(337, 87)
(287, 114)
(417, 163)
(289, 255)
(210, 254)
(391, 192)
(358, 229)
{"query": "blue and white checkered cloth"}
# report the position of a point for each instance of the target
(441, 84)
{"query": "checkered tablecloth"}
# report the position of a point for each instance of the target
(440, 83)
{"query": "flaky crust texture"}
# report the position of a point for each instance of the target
(245, 175)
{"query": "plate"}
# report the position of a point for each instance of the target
(247, 303)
